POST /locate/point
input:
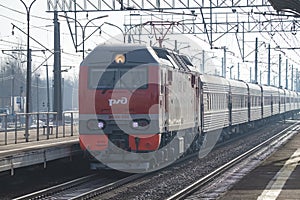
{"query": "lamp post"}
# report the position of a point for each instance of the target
(28, 78)
(47, 79)
(12, 91)
(83, 30)
(37, 93)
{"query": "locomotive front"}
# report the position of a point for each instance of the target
(118, 104)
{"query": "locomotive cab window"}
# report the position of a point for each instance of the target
(118, 78)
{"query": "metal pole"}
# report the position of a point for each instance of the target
(223, 67)
(48, 95)
(279, 71)
(292, 78)
(83, 38)
(256, 52)
(297, 80)
(28, 78)
(224, 62)
(250, 74)
(286, 74)
(203, 62)
(37, 93)
(12, 93)
(269, 64)
(28, 97)
(57, 103)
(238, 71)
(260, 73)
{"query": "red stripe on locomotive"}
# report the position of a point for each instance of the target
(93, 142)
(146, 142)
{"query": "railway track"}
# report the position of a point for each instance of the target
(82, 188)
(272, 143)
(93, 186)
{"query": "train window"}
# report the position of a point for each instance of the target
(170, 77)
(132, 78)
(102, 78)
(193, 81)
(118, 78)
(161, 82)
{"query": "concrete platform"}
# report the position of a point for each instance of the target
(278, 177)
(21, 153)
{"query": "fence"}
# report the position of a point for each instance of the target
(41, 126)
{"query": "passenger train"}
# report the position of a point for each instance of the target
(142, 107)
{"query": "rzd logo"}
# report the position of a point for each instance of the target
(123, 100)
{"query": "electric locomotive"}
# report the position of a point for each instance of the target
(138, 106)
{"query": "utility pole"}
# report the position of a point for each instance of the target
(222, 67)
(250, 74)
(256, 52)
(224, 75)
(260, 74)
(203, 62)
(48, 92)
(37, 93)
(279, 71)
(297, 80)
(238, 71)
(292, 78)
(269, 64)
(12, 91)
(286, 74)
(57, 102)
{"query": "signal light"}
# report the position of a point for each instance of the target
(120, 58)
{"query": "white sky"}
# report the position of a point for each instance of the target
(41, 29)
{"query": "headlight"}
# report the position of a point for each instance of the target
(95, 124)
(140, 123)
(101, 124)
(135, 124)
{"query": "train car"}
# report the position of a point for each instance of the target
(287, 100)
(215, 102)
(298, 101)
(275, 101)
(269, 94)
(255, 102)
(238, 102)
(293, 100)
(282, 100)
(135, 100)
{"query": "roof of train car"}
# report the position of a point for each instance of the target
(108, 52)
(294, 93)
(281, 91)
(254, 87)
(237, 83)
(214, 79)
(270, 90)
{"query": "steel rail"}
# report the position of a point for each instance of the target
(104, 189)
(56, 189)
(286, 133)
